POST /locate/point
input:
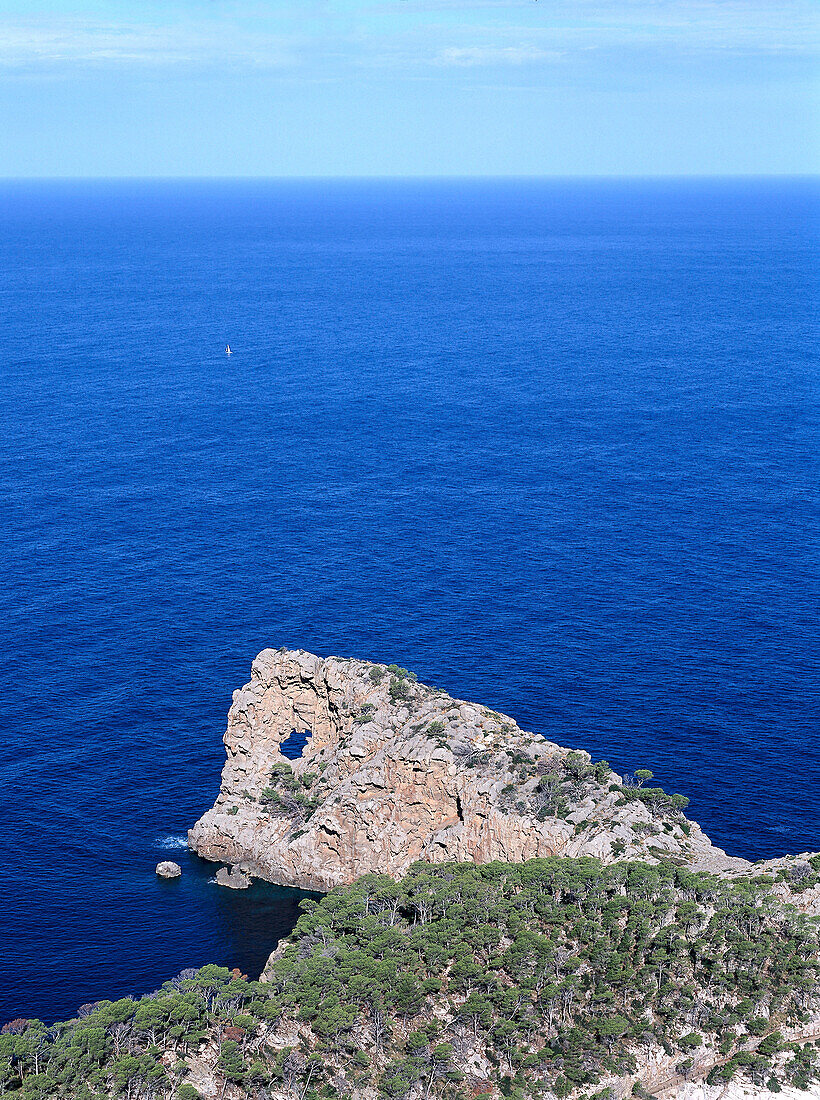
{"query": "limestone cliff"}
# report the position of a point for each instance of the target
(396, 772)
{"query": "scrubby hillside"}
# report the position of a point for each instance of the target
(555, 977)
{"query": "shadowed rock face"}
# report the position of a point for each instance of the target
(396, 772)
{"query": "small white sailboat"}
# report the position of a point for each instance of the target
(228, 349)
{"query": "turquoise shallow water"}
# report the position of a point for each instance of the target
(553, 445)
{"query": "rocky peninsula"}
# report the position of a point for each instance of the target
(395, 772)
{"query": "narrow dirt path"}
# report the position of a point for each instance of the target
(664, 1087)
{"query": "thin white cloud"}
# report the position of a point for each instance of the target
(73, 41)
(740, 24)
(496, 55)
(471, 34)
(330, 36)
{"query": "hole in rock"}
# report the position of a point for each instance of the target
(459, 809)
(294, 745)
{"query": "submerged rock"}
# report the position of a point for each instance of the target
(395, 772)
(168, 869)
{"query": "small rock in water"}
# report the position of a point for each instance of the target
(233, 877)
(168, 869)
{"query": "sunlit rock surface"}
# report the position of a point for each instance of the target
(396, 772)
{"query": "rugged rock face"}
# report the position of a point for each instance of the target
(396, 772)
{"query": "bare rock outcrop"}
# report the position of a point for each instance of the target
(234, 878)
(168, 869)
(395, 772)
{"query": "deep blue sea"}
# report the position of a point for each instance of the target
(555, 446)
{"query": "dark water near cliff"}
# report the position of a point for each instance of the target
(554, 446)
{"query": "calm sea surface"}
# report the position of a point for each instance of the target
(555, 446)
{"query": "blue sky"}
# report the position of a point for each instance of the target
(408, 87)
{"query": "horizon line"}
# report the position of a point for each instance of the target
(317, 177)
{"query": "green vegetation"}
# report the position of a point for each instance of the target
(659, 802)
(555, 973)
(401, 683)
(800, 874)
(288, 795)
(548, 787)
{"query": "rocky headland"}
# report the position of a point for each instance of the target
(395, 772)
